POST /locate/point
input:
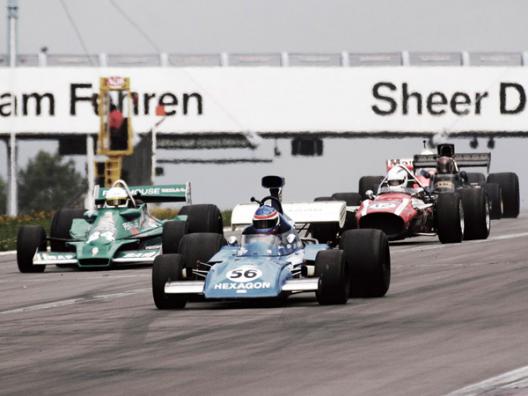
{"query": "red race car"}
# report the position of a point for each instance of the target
(402, 207)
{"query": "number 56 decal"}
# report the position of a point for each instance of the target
(245, 273)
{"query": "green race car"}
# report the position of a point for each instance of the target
(119, 230)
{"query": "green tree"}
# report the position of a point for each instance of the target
(3, 197)
(48, 183)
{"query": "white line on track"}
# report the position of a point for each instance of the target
(71, 301)
(440, 246)
(76, 276)
(7, 252)
(38, 307)
(514, 380)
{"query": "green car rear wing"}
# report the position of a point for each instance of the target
(160, 193)
(464, 160)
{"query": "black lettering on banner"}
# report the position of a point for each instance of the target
(75, 97)
(135, 102)
(95, 103)
(465, 100)
(146, 102)
(38, 103)
(504, 87)
(432, 103)
(198, 100)
(406, 96)
(168, 99)
(376, 93)
(6, 108)
(478, 100)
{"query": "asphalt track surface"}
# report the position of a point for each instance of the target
(455, 315)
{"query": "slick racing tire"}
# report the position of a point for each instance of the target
(476, 213)
(367, 255)
(494, 193)
(476, 177)
(509, 183)
(203, 218)
(334, 279)
(199, 247)
(173, 232)
(167, 268)
(60, 228)
(29, 239)
(369, 183)
(449, 218)
(351, 199)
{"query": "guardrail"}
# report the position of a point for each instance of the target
(282, 59)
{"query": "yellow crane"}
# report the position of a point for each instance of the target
(115, 138)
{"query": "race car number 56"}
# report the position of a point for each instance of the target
(244, 274)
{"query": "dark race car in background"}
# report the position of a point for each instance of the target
(502, 189)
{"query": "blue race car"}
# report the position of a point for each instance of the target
(272, 259)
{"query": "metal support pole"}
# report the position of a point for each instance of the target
(12, 15)
(345, 59)
(12, 200)
(285, 59)
(224, 59)
(90, 172)
(406, 58)
(154, 148)
(154, 154)
(466, 59)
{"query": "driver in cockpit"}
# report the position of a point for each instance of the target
(267, 220)
(398, 180)
(117, 197)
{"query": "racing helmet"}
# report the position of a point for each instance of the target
(446, 165)
(265, 219)
(116, 197)
(397, 179)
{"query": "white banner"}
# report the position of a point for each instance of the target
(266, 99)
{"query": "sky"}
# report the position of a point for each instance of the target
(198, 26)
(212, 26)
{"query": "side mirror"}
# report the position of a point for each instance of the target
(369, 194)
(463, 175)
(131, 214)
(232, 241)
